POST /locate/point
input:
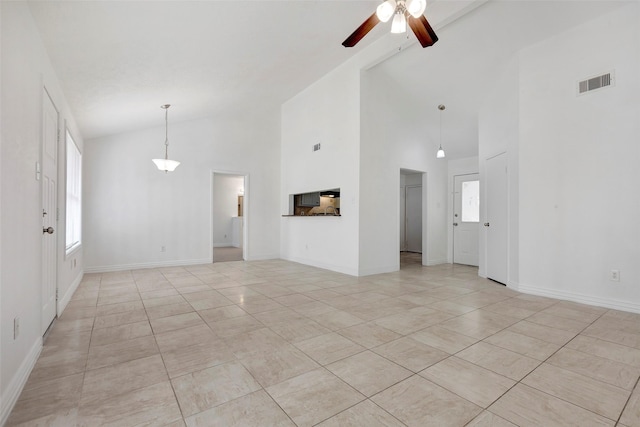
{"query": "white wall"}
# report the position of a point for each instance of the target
(328, 113)
(464, 166)
(334, 112)
(394, 138)
(25, 71)
(225, 206)
(579, 158)
(498, 132)
(132, 209)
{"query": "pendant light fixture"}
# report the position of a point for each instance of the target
(440, 153)
(165, 164)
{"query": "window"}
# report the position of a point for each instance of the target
(471, 201)
(74, 195)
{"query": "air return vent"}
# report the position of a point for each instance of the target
(595, 83)
(316, 147)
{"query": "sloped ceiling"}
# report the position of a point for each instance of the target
(118, 61)
(461, 69)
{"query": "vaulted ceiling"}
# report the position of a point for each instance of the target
(118, 61)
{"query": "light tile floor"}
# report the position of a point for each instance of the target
(274, 343)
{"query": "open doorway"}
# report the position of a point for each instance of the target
(228, 217)
(410, 218)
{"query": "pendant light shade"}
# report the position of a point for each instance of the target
(385, 10)
(416, 7)
(399, 24)
(165, 164)
(440, 153)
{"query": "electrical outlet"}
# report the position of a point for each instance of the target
(614, 275)
(16, 327)
(163, 248)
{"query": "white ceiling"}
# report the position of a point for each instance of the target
(118, 61)
(463, 66)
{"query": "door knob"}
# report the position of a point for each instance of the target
(49, 230)
(455, 224)
(486, 224)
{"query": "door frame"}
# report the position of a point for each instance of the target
(483, 219)
(56, 237)
(400, 199)
(245, 211)
(453, 209)
(406, 192)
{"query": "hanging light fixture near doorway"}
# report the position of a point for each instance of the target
(165, 164)
(440, 153)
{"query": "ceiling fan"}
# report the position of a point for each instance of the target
(403, 11)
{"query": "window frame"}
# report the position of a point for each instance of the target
(70, 144)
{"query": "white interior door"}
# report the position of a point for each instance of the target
(496, 220)
(49, 197)
(413, 212)
(466, 219)
(403, 220)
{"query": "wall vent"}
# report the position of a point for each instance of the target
(594, 83)
(316, 147)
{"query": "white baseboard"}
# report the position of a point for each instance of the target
(17, 383)
(223, 245)
(326, 266)
(262, 257)
(155, 264)
(379, 270)
(62, 302)
(431, 262)
(580, 298)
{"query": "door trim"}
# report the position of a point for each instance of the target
(452, 218)
(406, 217)
(484, 192)
(52, 216)
(245, 211)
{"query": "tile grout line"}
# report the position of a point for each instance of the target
(635, 387)
(545, 361)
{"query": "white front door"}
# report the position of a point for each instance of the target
(49, 197)
(466, 219)
(413, 212)
(496, 220)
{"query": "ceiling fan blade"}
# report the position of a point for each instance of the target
(423, 31)
(361, 31)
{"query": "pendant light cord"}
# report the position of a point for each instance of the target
(440, 128)
(166, 134)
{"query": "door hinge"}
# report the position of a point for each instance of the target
(56, 294)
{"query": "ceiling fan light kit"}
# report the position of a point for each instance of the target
(403, 12)
(165, 164)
